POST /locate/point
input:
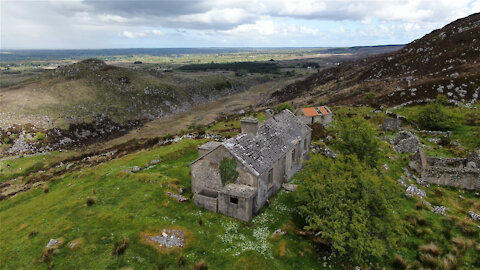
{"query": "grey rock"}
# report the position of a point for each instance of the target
(179, 198)
(412, 189)
(136, 169)
(406, 142)
(155, 161)
(439, 209)
(474, 215)
(290, 187)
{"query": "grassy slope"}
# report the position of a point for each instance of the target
(12, 168)
(127, 204)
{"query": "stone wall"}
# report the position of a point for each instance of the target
(242, 210)
(456, 172)
(456, 177)
(207, 202)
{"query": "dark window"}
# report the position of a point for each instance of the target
(234, 200)
(293, 156)
(270, 177)
(305, 144)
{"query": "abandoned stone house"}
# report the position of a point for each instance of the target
(266, 155)
(310, 115)
(456, 172)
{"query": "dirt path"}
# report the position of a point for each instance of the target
(202, 114)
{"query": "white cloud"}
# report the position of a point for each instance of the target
(141, 34)
(51, 24)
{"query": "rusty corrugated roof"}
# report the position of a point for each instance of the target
(322, 110)
(310, 111)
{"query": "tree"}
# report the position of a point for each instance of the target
(351, 207)
(228, 170)
(356, 136)
(282, 106)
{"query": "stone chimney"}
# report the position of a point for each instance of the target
(269, 113)
(249, 125)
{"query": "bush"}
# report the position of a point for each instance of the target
(434, 117)
(283, 106)
(39, 136)
(228, 171)
(350, 206)
(355, 136)
(370, 95)
(90, 201)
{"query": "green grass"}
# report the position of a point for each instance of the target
(467, 128)
(128, 204)
(12, 168)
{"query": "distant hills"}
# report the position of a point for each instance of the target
(36, 55)
(446, 61)
(89, 89)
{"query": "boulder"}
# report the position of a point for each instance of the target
(406, 142)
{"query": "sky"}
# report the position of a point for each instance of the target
(86, 24)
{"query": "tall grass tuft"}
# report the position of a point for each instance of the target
(201, 265)
(429, 261)
(431, 249)
(120, 246)
(399, 262)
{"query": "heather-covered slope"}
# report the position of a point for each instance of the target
(445, 61)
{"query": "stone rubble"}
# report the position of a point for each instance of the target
(439, 209)
(412, 189)
(169, 238)
(179, 198)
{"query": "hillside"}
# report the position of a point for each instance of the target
(88, 89)
(445, 61)
(83, 102)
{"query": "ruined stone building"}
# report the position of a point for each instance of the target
(265, 155)
(456, 172)
(321, 114)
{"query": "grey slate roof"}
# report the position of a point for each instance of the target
(275, 137)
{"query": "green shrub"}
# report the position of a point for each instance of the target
(228, 170)
(40, 136)
(370, 95)
(351, 207)
(434, 117)
(284, 106)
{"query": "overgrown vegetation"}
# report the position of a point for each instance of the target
(284, 106)
(228, 171)
(434, 117)
(349, 206)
